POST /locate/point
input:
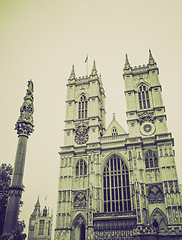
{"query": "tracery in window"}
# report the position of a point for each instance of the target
(116, 186)
(114, 131)
(143, 97)
(81, 168)
(151, 160)
(155, 195)
(83, 107)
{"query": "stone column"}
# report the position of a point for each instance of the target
(24, 127)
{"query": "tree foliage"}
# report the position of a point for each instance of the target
(6, 172)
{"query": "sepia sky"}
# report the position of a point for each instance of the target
(41, 39)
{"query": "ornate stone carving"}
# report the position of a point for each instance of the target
(15, 190)
(62, 235)
(155, 195)
(81, 133)
(24, 125)
(114, 229)
(132, 123)
(80, 199)
(145, 117)
(161, 119)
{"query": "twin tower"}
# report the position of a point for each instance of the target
(115, 184)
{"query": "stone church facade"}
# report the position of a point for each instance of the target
(40, 223)
(115, 184)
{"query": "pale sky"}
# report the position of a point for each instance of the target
(41, 39)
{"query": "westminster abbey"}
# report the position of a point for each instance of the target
(113, 184)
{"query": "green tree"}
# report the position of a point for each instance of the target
(6, 172)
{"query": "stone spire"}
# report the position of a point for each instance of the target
(94, 70)
(24, 125)
(37, 203)
(151, 59)
(72, 75)
(127, 64)
(36, 211)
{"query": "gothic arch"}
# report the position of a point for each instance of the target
(78, 227)
(159, 216)
(81, 168)
(116, 185)
(78, 217)
(142, 83)
(143, 95)
(125, 161)
(83, 93)
(151, 159)
(153, 149)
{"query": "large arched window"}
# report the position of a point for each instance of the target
(143, 97)
(151, 160)
(83, 107)
(116, 186)
(81, 168)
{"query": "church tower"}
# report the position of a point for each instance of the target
(153, 176)
(40, 223)
(114, 184)
(79, 164)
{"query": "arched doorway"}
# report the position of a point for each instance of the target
(159, 218)
(79, 228)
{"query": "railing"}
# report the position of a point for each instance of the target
(114, 137)
(115, 214)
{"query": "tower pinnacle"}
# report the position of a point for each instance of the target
(37, 203)
(94, 70)
(127, 64)
(72, 75)
(151, 59)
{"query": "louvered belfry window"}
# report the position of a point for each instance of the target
(116, 186)
(143, 97)
(83, 107)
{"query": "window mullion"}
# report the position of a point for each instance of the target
(122, 191)
(107, 198)
(126, 187)
(116, 186)
(118, 178)
(110, 180)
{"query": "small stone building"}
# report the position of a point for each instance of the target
(40, 224)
